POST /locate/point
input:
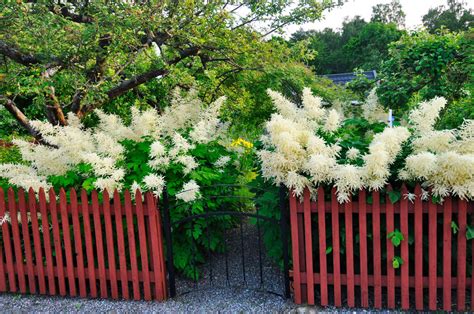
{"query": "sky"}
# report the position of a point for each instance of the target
(414, 10)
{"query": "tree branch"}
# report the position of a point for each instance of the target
(16, 55)
(23, 120)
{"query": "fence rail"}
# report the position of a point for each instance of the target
(336, 246)
(80, 246)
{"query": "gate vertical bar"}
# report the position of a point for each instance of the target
(169, 244)
(284, 238)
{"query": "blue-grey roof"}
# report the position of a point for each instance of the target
(343, 78)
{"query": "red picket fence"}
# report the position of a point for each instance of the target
(357, 270)
(91, 248)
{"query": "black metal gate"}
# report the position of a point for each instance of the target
(245, 244)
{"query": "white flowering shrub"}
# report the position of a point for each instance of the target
(309, 146)
(185, 149)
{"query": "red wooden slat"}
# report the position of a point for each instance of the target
(109, 234)
(47, 242)
(78, 244)
(418, 249)
(295, 248)
(336, 249)
(16, 240)
(349, 254)
(3, 282)
(363, 249)
(156, 249)
(37, 241)
(159, 247)
(472, 270)
(99, 245)
(57, 242)
(462, 257)
(432, 245)
(309, 246)
(390, 254)
(143, 245)
(26, 241)
(322, 247)
(67, 243)
(89, 244)
(121, 245)
(302, 250)
(6, 248)
(132, 247)
(404, 249)
(377, 250)
(447, 254)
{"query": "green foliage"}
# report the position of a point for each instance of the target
(389, 13)
(396, 237)
(455, 17)
(470, 232)
(424, 65)
(358, 45)
(81, 55)
(397, 261)
(454, 227)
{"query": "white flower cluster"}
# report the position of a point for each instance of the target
(442, 160)
(185, 123)
(372, 109)
(296, 154)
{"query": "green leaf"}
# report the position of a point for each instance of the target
(394, 196)
(328, 249)
(454, 227)
(470, 233)
(397, 261)
(396, 237)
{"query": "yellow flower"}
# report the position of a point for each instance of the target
(241, 142)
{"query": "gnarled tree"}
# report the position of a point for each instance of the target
(75, 56)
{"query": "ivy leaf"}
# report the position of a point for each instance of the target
(329, 250)
(397, 261)
(396, 237)
(454, 227)
(470, 233)
(394, 196)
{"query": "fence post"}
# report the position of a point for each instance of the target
(284, 239)
(169, 244)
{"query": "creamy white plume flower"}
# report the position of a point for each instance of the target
(107, 183)
(424, 117)
(188, 162)
(372, 109)
(283, 105)
(157, 149)
(421, 166)
(332, 122)
(410, 196)
(135, 186)
(348, 179)
(154, 182)
(352, 153)
(312, 105)
(189, 192)
(222, 161)
(296, 182)
(293, 153)
(319, 167)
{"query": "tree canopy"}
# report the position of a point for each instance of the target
(454, 17)
(75, 56)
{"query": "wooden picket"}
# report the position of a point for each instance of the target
(81, 247)
(367, 267)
